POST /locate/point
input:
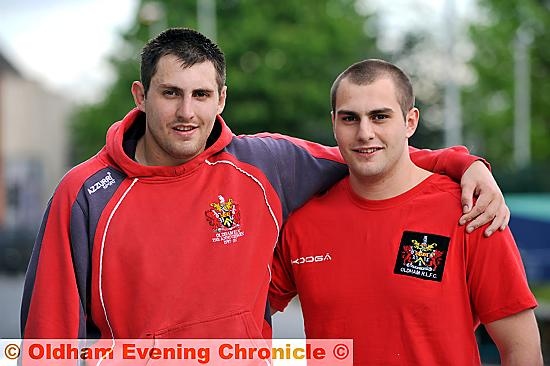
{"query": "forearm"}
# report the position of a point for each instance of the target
(521, 357)
(517, 339)
(451, 161)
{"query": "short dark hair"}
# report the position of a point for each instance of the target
(368, 71)
(188, 45)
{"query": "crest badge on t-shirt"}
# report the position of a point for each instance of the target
(224, 217)
(422, 255)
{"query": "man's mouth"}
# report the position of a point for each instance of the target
(184, 128)
(367, 150)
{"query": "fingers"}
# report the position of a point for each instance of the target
(467, 198)
(483, 211)
(506, 217)
(479, 208)
(487, 210)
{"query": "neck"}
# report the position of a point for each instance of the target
(149, 154)
(398, 180)
(140, 152)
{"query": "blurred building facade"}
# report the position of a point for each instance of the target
(34, 147)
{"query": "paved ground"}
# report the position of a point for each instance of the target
(11, 289)
(290, 323)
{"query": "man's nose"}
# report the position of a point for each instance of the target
(366, 129)
(185, 109)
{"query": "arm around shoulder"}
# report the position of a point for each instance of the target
(475, 179)
(517, 338)
(452, 161)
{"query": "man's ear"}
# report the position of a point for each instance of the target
(138, 92)
(332, 121)
(221, 101)
(411, 121)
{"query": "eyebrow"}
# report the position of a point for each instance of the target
(345, 112)
(173, 87)
(370, 113)
(380, 111)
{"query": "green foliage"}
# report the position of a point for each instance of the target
(542, 292)
(533, 178)
(489, 103)
(414, 53)
(282, 57)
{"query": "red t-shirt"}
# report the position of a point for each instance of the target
(399, 276)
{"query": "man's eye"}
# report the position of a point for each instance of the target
(380, 117)
(348, 118)
(169, 93)
(201, 94)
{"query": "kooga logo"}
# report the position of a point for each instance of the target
(312, 259)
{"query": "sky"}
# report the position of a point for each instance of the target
(401, 16)
(64, 44)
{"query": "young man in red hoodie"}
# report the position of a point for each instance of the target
(168, 232)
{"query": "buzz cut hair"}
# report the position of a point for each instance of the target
(368, 71)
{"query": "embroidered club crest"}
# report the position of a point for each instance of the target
(223, 215)
(422, 255)
(225, 219)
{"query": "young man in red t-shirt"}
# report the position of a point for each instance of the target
(381, 258)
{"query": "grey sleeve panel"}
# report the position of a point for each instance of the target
(31, 272)
(96, 192)
(294, 173)
(86, 211)
(80, 257)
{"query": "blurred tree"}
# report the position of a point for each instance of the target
(282, 57)
(489, 102)
(419, 55)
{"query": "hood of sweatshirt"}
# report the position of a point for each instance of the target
(115, 154)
